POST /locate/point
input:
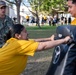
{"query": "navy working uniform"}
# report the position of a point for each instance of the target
(6, 28)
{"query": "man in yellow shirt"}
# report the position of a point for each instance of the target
(72, 10)
(27, 18)
(15, 52)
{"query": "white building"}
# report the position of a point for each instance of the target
(12, 12)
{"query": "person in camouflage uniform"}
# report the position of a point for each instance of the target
(6, 24)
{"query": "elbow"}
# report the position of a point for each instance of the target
(41, 47)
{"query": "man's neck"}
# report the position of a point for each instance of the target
(2, 16)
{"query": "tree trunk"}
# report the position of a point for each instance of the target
(18, 14)
(37, 19)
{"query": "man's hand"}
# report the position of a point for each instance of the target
(52, 37)
(66, 39)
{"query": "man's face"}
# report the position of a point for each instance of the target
(23, 35)
(2, 10)
(71, 8)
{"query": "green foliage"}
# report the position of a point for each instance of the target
(48, 5)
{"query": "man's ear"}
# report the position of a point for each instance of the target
(17, 36)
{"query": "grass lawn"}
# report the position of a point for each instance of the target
(38, 65)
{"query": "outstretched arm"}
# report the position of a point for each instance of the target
(51, 44)
(45, 39)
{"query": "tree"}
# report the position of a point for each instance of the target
(34, 11)
(47, 6)
(40, 6)
(35, 4)
(17, 3)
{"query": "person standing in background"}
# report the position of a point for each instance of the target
(27, 18)
(69, 20)
(6, 24)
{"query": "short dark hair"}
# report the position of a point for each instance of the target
(73, 1)
(17, 29)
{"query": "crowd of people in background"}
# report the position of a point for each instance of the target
(48, 20)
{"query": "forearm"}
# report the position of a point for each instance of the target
(50, 44)
(42, 39)
(45, 39)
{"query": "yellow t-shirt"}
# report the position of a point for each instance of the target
(45, 18)
(73, 22)
(27, 17)
(14, 54)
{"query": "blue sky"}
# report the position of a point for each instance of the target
(26, 2)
